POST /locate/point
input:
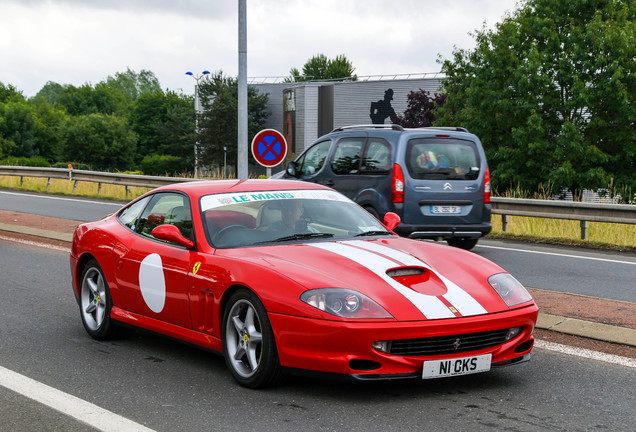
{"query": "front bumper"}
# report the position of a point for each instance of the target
(345, 348)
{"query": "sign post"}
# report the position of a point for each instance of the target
(269, 148)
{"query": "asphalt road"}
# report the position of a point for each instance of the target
(167, 386)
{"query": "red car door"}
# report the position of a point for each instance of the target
(152, 275)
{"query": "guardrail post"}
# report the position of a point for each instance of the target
(504, 222)
(583, 230)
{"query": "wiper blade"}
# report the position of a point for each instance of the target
(372, 233)
(302, 236)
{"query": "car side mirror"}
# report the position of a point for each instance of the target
(292, 169)
(172, 234)
(391, 220)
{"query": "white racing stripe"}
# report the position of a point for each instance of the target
(460, 299)
(379, 259)
(67, 404)
(430, 306)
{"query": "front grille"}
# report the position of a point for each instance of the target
(448, 344)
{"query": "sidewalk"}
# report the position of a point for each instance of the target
(588, 317)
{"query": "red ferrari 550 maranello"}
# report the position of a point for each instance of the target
(285, 276)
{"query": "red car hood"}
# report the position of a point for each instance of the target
(453, 282)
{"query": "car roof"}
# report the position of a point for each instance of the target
(206, 187)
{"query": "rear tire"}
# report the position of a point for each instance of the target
(462, 242)
(96, 304)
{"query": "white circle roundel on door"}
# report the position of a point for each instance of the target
(152, 282)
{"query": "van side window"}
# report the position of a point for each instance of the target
(314, 158)
(346, 158)
(377, 156)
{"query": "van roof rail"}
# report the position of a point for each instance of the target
(370, 126)
(448, 128)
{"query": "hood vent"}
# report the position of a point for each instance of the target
(405, 271)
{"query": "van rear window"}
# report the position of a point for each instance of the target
(446, 159)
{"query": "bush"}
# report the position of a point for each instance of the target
(76, 165)
(34, 161)
(161, 165)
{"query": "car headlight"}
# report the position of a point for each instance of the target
(344, 303)
(509, 289)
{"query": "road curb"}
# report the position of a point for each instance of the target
(53, 235)
(587, 329)
(555, 323)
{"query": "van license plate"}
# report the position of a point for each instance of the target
(456, 366)
(445, 209)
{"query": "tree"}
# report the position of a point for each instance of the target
(9, 92)
(164, 123)
(101, 140)
(550, 93)
(102, 98)
(18, 126)
(420, 110)
(218, 125)
(319, 67)
(134, 84)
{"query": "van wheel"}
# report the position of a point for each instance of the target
(462, 242)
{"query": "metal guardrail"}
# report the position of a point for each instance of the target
(506, 207)
(551, 209)
(126, 180)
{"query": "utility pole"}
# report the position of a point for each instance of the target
(242, 92)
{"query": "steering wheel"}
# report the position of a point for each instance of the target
(226, 228)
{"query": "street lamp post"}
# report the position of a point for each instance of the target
(197, 111)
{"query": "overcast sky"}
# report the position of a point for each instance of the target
(84, 41)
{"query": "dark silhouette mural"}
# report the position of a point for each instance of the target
(382, 109)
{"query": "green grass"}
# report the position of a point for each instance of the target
(566, 232)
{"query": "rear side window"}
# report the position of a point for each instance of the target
(346, 158)
(130, 215)
(377, 156)
(435, 159)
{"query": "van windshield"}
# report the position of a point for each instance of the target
(442, 159)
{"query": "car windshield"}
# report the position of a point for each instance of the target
(265, 218)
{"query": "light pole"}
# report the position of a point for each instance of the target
(197, 111)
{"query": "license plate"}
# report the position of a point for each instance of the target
(456, 366)
(445, 209)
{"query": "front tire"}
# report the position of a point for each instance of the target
(96, 304)
(249, 347)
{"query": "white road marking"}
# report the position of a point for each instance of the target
(586, 353)
(67, 404)
(62, 199)
(557, 254)
(37, 244)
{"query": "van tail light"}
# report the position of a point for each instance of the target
(487, 187)
(397, 185)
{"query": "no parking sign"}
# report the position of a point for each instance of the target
(269, 148)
